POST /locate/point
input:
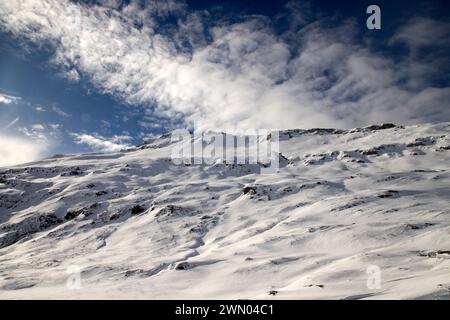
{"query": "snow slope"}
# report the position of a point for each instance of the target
(139, 226)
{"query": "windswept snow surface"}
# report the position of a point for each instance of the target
(138, 226)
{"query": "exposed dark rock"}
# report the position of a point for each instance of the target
(418, 226)
(436, 254)
(349, 205)
(315, 285)
(86, 211)
(382, 149)
(370, 152)
(388, 194)
(73, 172)
(26, 228)
(249, 190)
(419, 142)
(183, 266)
(200, 228)
(115, 216)
(172, 211)
(137, 209)
(72, 215)
(298, 132)
(382, 126)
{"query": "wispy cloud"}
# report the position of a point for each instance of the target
(421, 32)
(36, 132)
(239, 73)
(12, 123)
(61, 112)
(99, 143)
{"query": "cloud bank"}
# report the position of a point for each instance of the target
(241, 72)
(15, 150)
(21, 142)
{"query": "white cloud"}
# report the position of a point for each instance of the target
(35, 132)
(102, 144)
(242, 74)
(8, 99)
(55, 126)
(38, 127)
(122, 139)
(73, 75)
(16, 150)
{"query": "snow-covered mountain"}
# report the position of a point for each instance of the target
(344, 203)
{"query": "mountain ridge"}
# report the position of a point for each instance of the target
(138, 226)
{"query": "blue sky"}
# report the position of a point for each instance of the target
(78, 76)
